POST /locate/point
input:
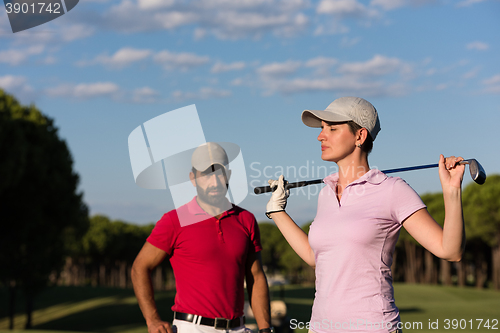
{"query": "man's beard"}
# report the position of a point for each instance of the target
(214, 200)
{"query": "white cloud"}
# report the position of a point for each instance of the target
(331, 28)
(388, 4)
(278, 70)
(199, 33)
(220, 67)
(240, 4)
(430, 71)
(203, 93)
(321, 62)
(85, 91)
(169, 60)
(233, 24)
(349, 42)
(11, 82)
(184, 61)
(74, 32)
(123, 57)
(467, 3)
(322, 65)
(49, 60)
(18, 86)
(394, 4)
(442, 86)
(492, 85)
(237, 82)
(174, 19)
(223, 18)
(16, 57)
(492, 80)
(154, 4)
(344, 85)
(377, 66)
(379, 76)
(477, 46)
(472, 73)
(345, 8)
(129, 17)
(145, 95)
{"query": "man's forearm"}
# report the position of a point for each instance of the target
(259, 300)
(143, 288)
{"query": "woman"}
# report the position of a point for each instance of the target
(360, 212)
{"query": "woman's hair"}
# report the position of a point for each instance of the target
(367, 146)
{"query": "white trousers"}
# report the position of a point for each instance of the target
(187, 327)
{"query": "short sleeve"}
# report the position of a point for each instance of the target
(404, 200)
(164, 233)
(255, 236)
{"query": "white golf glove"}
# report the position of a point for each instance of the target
(277, 203)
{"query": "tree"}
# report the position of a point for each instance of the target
(278, 255)
(296, 269)
(42, 212)
(412, 262)
(482, 212)
(110, 247)
(435, 207)
(271, 239)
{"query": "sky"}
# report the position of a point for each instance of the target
(430, 67)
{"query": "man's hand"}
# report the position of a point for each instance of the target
(159, 326)
(277, 203)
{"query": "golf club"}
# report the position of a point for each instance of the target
(476, 172)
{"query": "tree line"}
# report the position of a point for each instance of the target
(108, 249)
(480, 264)
(48, 238)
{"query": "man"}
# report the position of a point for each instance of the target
(213, 246)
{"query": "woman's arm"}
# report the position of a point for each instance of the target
(294, 235)
(447, 242)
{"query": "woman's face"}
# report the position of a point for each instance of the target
(337, 141)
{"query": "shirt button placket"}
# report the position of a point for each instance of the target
(219, 230)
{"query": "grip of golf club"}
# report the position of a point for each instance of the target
(266, 189)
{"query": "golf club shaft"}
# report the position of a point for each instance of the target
(265, 189)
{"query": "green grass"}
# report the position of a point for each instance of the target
(85, 309)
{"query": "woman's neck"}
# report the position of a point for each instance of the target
(352, 170)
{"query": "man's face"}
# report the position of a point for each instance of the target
(211, 185)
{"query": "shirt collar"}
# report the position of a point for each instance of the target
(374, 177)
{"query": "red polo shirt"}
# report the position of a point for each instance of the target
(208, 258)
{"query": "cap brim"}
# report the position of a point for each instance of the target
(201, 168)
(313, 118)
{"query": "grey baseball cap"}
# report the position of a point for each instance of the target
(343, 109)
(208, 154)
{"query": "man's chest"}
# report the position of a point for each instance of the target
(211, 241)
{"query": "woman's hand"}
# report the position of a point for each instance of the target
(278, 200)
(451, 173)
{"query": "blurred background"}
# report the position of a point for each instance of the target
(73, 89)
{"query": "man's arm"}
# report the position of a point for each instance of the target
(148, 258)
(258, 292)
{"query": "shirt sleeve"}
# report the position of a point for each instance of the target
(164, 234)
(405, 201)
(255, 236)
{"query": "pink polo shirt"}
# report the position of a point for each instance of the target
(353, 242)
(208, 258)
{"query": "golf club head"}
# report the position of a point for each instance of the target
(476, 171)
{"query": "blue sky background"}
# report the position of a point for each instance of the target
(431, 68)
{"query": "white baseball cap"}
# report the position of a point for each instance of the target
(343, 109)
(208, 154)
